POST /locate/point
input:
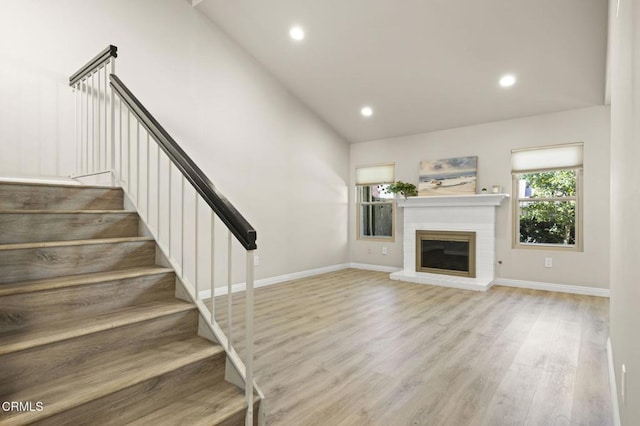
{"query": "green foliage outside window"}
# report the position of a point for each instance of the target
(548, 208)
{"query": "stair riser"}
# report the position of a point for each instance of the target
(63, 304)
(239, 419)
(44, 197)
(40, 227)
(48, 362)
(139, 400)
(48, 262)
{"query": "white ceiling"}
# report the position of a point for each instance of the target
(425, 65)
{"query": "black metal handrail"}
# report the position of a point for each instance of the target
(109, 52)
(231, 217)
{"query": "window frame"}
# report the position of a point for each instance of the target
(578, 199)
(376, 179)
(361, 204)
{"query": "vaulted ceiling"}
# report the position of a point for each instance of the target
(425, 65)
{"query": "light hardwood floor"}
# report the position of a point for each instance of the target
(355, 348)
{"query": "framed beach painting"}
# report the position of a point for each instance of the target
(452, 176)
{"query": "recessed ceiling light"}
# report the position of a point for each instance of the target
(507, 80)
(296, 33)
(366, 111)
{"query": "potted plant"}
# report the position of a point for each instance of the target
(402, 188)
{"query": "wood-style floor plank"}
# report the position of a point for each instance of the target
(356, 348)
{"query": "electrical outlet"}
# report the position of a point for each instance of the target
(548, 262)
(385, 250)
(369, 251)
(256, 261)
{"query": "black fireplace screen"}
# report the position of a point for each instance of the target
(446, 252)
(453, 255)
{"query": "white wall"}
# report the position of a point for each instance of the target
(625, 206)
(36, 121)
(282, 167)
(492, 143)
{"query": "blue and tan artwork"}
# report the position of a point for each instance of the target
(452, 176)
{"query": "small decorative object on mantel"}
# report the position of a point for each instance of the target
(496, 189)
(401, 188)
(452, 176)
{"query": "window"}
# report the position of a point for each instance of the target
(547, 203)
(375, 212)
(376, 208)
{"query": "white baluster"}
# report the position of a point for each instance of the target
(98, 129)
(213, 260)
(182, 245)
(229, 288)
(93, 123)
(158, 225)
(147, 186)
(170, 191)
(195, 238)
(86, 125)
(112, 128)
(138, 203)
(249, 336)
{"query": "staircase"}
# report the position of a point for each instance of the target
(90, 329)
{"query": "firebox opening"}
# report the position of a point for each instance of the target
(446, 252)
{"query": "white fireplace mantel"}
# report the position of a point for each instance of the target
(453, 200)
(471, 213)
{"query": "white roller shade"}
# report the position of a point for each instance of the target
(547, 158)
(370, 175)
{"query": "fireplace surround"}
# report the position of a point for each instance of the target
(457, 213)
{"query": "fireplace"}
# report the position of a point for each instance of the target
(446, 252)
(475, 214)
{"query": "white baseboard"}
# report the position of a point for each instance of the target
(369, 267)
(534, 285)
(220, 291)
(612, 385)
(560, 288)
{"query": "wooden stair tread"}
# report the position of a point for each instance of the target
(98, 212)
(81, 279)
(57, 185)
(90, 384)
(44, 244)
(53, 332)
(208, 406)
